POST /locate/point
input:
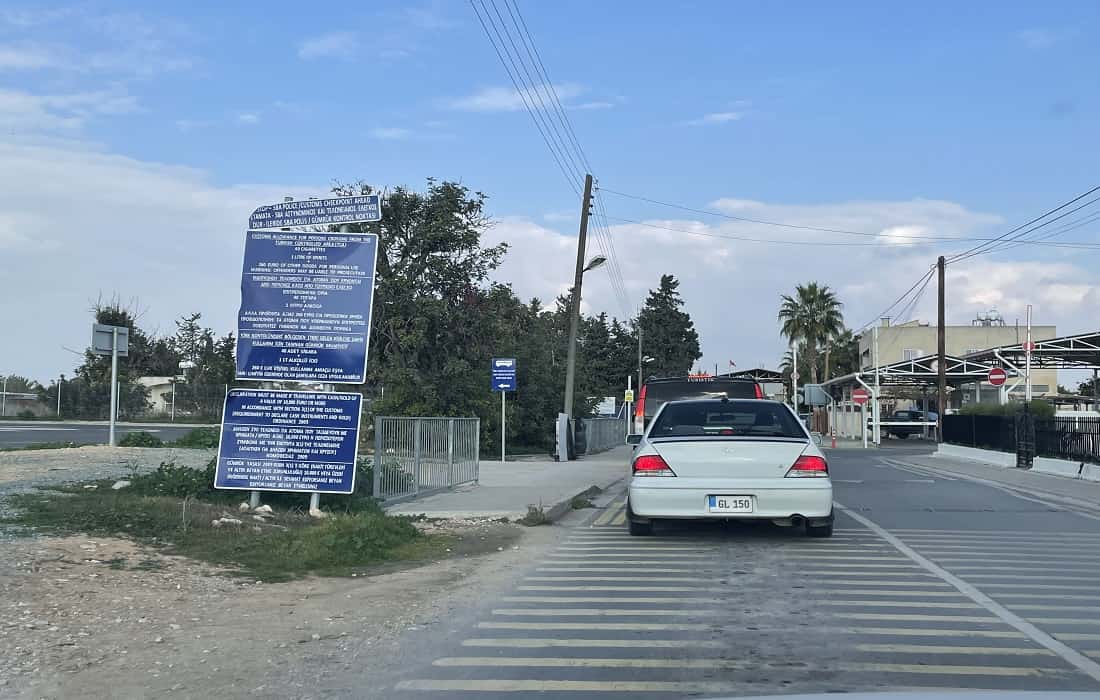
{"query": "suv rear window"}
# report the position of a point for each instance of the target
(662, 390)
(722, 418)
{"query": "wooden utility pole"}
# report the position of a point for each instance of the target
(575, 307)
(941, 353)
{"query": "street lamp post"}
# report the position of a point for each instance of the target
(59, 385)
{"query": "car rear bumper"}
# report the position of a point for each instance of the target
(810, 498)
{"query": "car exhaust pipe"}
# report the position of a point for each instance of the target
(798, 520)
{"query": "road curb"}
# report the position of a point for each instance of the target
(559, 509)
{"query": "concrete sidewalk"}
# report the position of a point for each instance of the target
(507, 490)
(1078, 492)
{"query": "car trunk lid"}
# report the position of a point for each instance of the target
(730, 458)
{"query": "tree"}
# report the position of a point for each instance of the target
(668, 333)
(844, 350)
(811, 318)
(16, 384)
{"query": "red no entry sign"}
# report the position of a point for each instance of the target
(997, 376)
(860, 396)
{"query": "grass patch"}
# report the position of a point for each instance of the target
(536, 515)
(580, 503)
(199, 438)
(140, 438)
(174, 508)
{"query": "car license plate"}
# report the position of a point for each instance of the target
(729, 504)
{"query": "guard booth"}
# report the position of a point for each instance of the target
(911, 380)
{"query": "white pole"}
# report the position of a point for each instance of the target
(794, 376)
(1027, 359)
(863, 421)
(503, 426)
(114, 385)
(4, 399)
(59, 382)
(173, 402)
(877, 437)
(629, 415)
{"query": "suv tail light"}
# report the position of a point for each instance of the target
(758, 390)
(809, 465)
(651, 465)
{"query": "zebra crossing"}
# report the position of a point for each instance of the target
(707, 610)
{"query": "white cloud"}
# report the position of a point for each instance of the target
(186, 125)
(159, 233)
(26, 57)
(332, 45)
(732, 287)
(1038, 38)
(25, 112)
(248, 118)
(715, 118)
(501, 99)
(598, 104)
(392, 133)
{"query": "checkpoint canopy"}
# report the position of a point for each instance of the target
(306, 302)
(289, 441)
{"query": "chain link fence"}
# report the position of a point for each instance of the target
(417, 456)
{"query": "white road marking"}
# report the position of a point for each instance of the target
(669, 579)
(870, 591)
(632, 550)
(652, 589)
(603, 612)
(550, 686)
(617, 626)
(888, 464)
(936, 649)
(1070, 655)
(925, 632)
(897, 604)
(641, 554)
(913, 617)
(632, 643)
(631, 562)
(736, 664)
(991, 533)
(616, 570)
(609, 599)
(1030, 577)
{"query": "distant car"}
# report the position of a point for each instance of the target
(904, 431)
(655, 392)
(729, 459)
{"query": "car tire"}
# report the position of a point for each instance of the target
(825, 530)
(637, 528)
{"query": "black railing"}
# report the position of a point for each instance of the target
(1065, 438)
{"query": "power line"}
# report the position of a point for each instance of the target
(903, 315)
(991, 245)
(522, 93)
(923, 279)
(1070, 226)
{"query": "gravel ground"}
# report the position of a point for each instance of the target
(26, 470)
(85, 616)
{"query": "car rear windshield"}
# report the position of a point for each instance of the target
(657, 393)
(726, 418)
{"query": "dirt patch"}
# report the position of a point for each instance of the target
(104, 617)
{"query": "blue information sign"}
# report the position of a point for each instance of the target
(305, 306)
(289, 441)
(317, 212)
(504, 373)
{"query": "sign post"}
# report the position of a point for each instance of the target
(860, 396)
(113, 341)
(628, 399)
(503, 371)
(306, 300)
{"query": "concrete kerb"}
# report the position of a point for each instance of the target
(561, 508)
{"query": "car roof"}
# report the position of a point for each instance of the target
(685, 378)
(722, 401)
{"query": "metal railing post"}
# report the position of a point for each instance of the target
(416, 456)
(377, 457)
(477, 450)
(450, 452)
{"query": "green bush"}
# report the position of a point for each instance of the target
(26, 414)
(140, 438)
(1038, 408)
(204, 438)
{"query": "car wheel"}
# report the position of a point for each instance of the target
(825, 530)
(635, 527)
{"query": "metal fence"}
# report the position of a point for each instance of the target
(1065, 438)
(599, 434)
(1068, 438)
(417, 456)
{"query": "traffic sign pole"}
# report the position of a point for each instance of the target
(503, 426)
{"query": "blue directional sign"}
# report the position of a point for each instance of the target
(317, 212)
(504, 373)
(289, 441)
(305, 306)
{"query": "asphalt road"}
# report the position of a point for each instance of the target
(21, 434)
(929, 582)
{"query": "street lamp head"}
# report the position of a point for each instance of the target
(595, 262)
(647, 359)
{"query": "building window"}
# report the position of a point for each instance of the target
(911, 354)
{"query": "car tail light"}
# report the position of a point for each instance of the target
(758, 391)
(809, 465)
(652, 465)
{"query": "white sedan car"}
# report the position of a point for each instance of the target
(729, 459)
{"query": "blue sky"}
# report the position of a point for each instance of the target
(159, 127)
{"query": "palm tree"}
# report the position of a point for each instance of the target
(812, 317)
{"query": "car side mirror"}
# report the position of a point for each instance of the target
(633, 439)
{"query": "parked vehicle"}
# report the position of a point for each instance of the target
(729, 459)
